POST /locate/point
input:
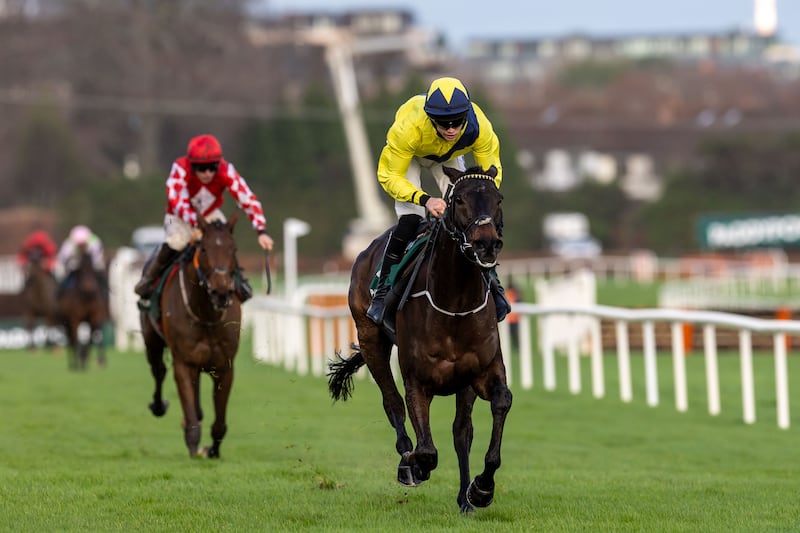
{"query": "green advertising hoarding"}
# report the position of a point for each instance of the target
(749, 231)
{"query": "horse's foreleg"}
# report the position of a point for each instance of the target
(197, 403)
(30, 326)
(185, 380)
(83, 351)
(425, 457)
(73, 346)
(222, 391)
(462, 441)
(99, 343)
(481, 491)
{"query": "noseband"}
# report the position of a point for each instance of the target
(460, 235)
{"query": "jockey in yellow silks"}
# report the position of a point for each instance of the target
(431, 130)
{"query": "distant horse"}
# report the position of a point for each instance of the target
(200, 323)
(39, 297)
(82, 300)
(446, 335)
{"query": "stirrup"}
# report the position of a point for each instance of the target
(144, 290)
(143, 304)
(376, 310)
(244, 291)
(501, 306)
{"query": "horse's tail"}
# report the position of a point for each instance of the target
(340, 374)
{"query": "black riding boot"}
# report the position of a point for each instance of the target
(243, 288)
(392, 256)
(152, 269)
(501, 303)
(406, 228)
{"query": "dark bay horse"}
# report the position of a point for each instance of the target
(446, 334)
(200, 322)
(82, 300)
(39, 297)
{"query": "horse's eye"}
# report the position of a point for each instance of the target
(458, 199)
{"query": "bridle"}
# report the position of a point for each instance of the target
(460, 235)
(204, 282)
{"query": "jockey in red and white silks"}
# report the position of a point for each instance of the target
(197, 184)
(187, 195)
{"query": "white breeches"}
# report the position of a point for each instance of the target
(431, 168)
(179, 233)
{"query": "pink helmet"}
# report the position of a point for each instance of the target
(80, 234)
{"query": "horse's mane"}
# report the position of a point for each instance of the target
(477, 169)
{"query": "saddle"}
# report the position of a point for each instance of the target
(400, 278)
(154, 307)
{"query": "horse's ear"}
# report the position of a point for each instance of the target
(201, 222)
(234, 218)
(492, 171)
(452, 173)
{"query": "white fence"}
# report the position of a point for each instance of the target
(304, 337)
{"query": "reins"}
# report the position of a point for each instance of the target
(202, 282)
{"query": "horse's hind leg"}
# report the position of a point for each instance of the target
(395, 409)
(154, 347)
(376, 350)
(481, 491)
(222, 391)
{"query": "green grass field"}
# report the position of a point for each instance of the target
(81, 452)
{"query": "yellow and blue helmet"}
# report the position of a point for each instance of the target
(447, 100)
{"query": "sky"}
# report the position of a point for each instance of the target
(462, 20)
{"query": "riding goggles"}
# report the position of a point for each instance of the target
(205, 167)
(452, 121)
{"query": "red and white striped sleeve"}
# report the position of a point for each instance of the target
(178, 202)
(246, 199)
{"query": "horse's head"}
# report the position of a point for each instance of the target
(86, 278)
(474, 217)
(215, 260)
(35, 259)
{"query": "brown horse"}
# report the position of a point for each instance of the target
(82, 300)
(200, 322)
(446, 335)
(39, 298)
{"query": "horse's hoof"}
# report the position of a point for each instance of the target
(159, 409)
(406, 477)
(202, 453)
(479, 497)
(467, 507)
